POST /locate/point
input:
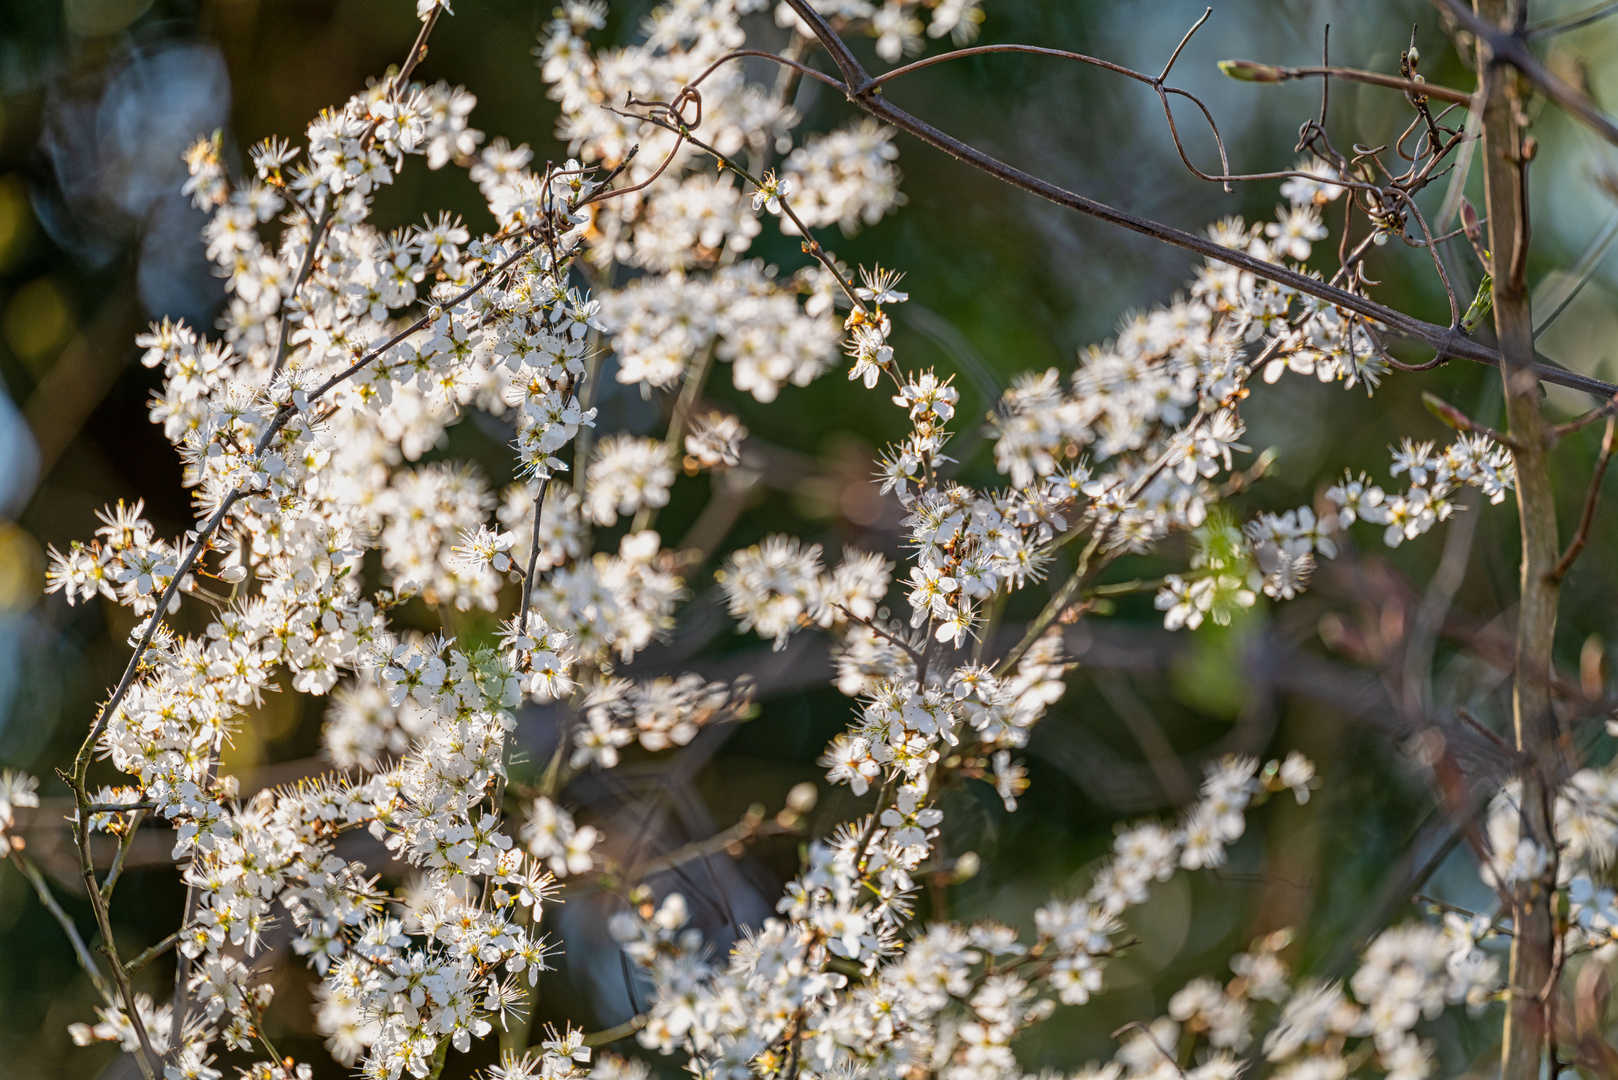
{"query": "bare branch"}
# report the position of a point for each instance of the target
(1448, 342)
(146, 956)
(1252, 71)
(48, 898)
(1582, 537)
(613, 1034)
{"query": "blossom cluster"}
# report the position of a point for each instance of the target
(951, 997)
(1474, 460)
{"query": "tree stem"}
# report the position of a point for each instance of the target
(1506, 194)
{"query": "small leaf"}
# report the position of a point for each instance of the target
(1481, 305)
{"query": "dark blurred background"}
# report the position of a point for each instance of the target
(99, 97)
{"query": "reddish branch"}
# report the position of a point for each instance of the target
(1591, 497)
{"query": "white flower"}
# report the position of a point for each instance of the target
(625, 475)
(715, 441)
(771, 192)
(1294, 229)
(1317, 187)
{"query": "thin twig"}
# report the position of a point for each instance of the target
(690, 390)
(1591, 497)
(48, 898)
(1573, 21)
(1067, 595)
(316, 233)
(418, 48)
(884, 793)
(877, 628)
(1251, 71)
(119, 808)
(1184, 41)
(811, 246)
(1487, 732)
(533, 557)
(613, 1034)
(1149, 1036)
(1583, 271)
(1458, 420)
(748, 828)
(146, 956)
(1584, 420)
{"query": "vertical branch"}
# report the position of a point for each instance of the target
(695, 378)
(1505, 191)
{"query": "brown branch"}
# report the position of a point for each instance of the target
(119, 808)
(877, 628)
(873, 82)
(418, 49)
(1454, 790)
(533, 558)
(1252, 71)
(1584, 420)
(811, 246)
(796, 65)
(1505, 185)
(46, 897)
(121, 857)
(1591, 497)
(1447, 341)
(605, 193)
(1184, 41)
(146, 956)
(1487, 732)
